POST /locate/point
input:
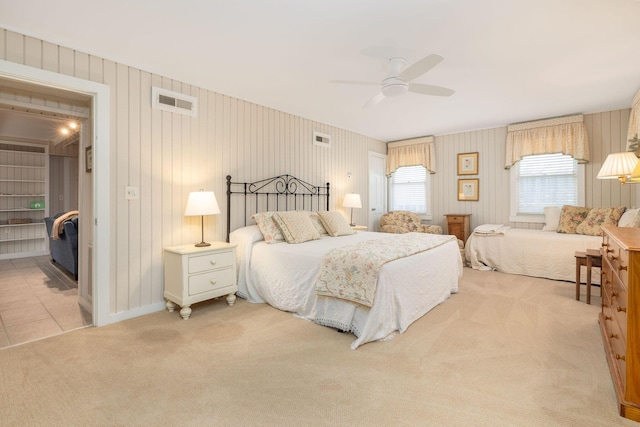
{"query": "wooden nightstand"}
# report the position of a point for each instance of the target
(459, 225)
(193, 274)
(360, 227)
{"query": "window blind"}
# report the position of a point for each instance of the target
(409, 189)
(546, 180)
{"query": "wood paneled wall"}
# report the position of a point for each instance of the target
(607, 134)
(168, 155)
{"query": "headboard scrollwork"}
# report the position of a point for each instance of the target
(278, 193)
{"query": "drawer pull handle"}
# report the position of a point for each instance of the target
(213, 262)
(608, 318)
(614, 336)
(622, 309)
(622, 267)
(609, 250)
(213, 282)
(619, 357)
(604, 245)
(614, 294)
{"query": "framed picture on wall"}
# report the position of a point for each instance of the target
(468, 163)
(468, 189)
(88, 158)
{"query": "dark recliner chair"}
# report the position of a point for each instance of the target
(64, 251)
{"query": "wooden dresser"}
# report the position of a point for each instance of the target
(620, 315)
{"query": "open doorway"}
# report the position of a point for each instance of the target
(50, 299)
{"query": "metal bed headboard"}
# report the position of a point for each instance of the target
(279, 193)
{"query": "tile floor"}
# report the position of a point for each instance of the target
(37, 300)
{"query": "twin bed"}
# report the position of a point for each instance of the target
(286, 276)
(533, 253)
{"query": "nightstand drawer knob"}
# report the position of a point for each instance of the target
(213, 282)
(213, 262)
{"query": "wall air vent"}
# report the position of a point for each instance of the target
(174, 102)
(321, 139)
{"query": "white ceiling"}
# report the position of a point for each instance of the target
(508, 60)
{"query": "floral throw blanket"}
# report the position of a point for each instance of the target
(351, 272)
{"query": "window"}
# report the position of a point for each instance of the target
(409, 190)
(544, 180)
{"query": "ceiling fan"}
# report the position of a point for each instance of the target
(398, 80)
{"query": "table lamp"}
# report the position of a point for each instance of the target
(202, 203)
(352, 200)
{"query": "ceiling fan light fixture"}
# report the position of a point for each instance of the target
(394, 89)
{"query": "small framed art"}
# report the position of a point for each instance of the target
(468, 163)
(468, 189)
(88, 158)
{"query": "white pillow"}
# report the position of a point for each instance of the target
(335, 224)
(246, 235)
(630, 218)
(551, 218)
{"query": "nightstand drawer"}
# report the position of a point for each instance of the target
(456, 219)
(212, 281)
(208, 262)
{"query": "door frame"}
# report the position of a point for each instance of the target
(370, 217)
(100, 111)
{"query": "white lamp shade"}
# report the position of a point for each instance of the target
(202, 203)
(618, 165)
(352, 200)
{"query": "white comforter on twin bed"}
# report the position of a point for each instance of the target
(531, 253)
(283, 275)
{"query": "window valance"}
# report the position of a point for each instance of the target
(634, 124)
(412, 152)
(565, 135)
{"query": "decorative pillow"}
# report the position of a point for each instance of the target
(296, 227)
(268, 227)
(630, 218)
(571, 217)
(551, 218)
(592, 225)
(335, 224)
(317, 223)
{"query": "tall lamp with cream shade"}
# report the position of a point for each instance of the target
(621, 166)
(201, 203)
(352, 200)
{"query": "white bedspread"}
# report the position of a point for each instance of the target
(531, 253)
(283, 275)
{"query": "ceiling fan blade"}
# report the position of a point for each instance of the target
(375, 100)
(430, 90)
(420, 67)
(351, 82)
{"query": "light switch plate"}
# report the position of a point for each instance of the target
(131, 193)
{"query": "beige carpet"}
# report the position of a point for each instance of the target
(504, 351)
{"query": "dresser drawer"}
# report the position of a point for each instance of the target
(619, 349)
(619, 302)
(207, 262)
(212, 281)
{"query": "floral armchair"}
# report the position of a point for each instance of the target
(401, 222)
